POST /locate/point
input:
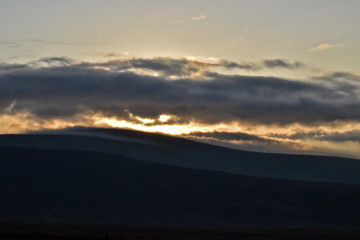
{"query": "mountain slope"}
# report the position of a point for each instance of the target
(72, 185)
(186, 153)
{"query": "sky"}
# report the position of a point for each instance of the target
(264, 75)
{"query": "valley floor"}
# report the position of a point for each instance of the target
(67, 231)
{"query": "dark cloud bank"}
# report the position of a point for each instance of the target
(63, 89)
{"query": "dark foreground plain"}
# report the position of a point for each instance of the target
(67, 231)
(79, 186)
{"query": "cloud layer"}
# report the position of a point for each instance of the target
(191, 97)
(64, 89)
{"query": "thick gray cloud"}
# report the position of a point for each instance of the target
(64, 89)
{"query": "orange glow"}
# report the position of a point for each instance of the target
(24, 122)
(164, 118)
(174, 129)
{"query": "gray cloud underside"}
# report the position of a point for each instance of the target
(63, 90)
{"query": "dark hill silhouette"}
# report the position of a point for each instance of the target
(186, 153)
(83, 186)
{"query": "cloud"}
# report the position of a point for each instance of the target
(251, 142)
(45, 41)
(42, 62)
(18, 43)
(339, 78)
(281, 63)
(231, 65)
(200, 17)
(5, 67)
(50, 62)
(179, 67)
(8, 43)
(230, 136)
(352, 136)
(178, 21)
(187, 67)
(63, 88)
(164, 66)
(10, 107)
(325, 46)
(112, 54)
(196, 96)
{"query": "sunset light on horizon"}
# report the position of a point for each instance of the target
(271, 76)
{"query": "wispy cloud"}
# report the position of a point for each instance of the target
(230, 136)
(325, 46)
(178, 21)
(352, 135)
(115, 55)
(200, 17)
(8, 44)
(247, 141)
(281, 63)
(10, 107)
(42, 41)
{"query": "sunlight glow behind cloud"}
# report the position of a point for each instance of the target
(235, 73)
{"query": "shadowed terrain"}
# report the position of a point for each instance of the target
(186, 153)
(83, 186)
(77, 231)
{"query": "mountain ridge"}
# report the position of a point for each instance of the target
(186, 153)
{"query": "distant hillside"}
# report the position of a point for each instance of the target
(185, 153)
(83, 186)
